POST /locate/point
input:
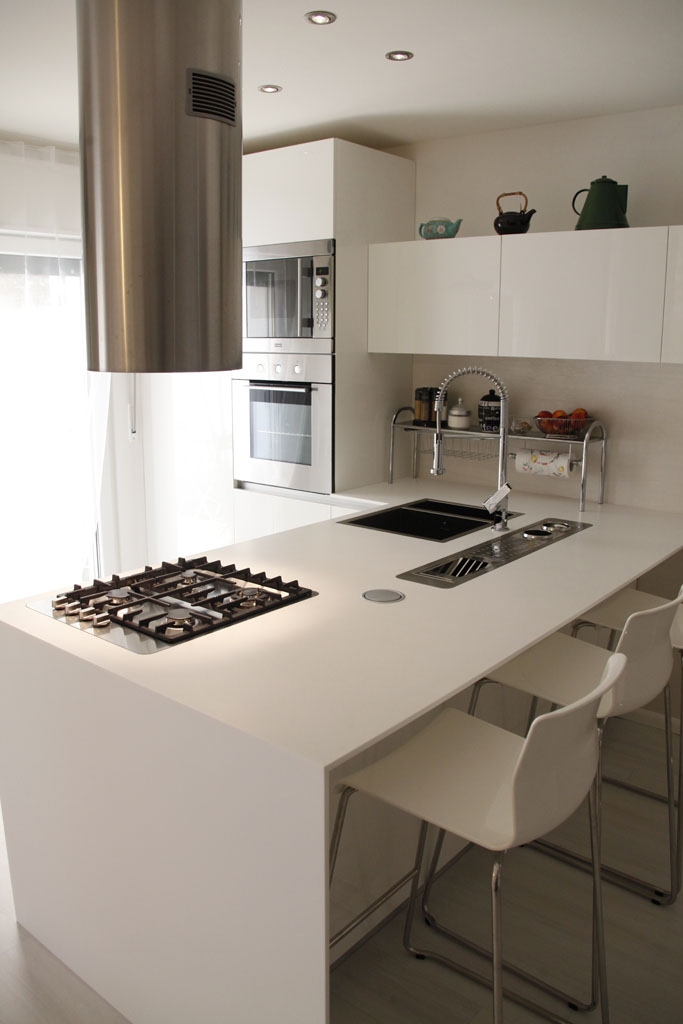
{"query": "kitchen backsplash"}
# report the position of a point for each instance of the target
(640, 404)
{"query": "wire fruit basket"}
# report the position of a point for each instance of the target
(560, 426)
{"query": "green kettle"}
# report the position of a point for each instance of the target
(604, 206)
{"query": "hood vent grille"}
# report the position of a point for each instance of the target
(211, 96)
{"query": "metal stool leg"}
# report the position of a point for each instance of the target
(497, 939)
(342, 807)
(656, 894)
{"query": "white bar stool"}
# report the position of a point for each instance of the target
(499, 791)
(612, 615)
(560, 668)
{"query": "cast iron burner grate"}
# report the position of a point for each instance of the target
(176, 601)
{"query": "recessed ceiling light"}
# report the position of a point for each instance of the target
(320, 17)
(270, 88)
(399, 55)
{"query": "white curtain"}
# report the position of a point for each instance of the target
(52, 417)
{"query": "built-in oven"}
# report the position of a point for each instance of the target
(283, 421)
(288, 297)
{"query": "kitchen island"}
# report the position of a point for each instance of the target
(166, 815)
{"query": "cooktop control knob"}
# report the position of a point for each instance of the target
(320, 293)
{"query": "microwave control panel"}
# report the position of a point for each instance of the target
(323, 297)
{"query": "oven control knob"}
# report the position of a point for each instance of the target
(297, 368)
(320, 281)
(320, 293)
(278, 367)
(260, 368)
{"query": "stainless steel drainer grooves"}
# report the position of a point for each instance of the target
(492, 554)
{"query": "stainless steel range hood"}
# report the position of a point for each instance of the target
(161, 157)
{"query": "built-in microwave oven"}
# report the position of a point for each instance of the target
(288, 297)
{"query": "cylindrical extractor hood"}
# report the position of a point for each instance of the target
(161, 164)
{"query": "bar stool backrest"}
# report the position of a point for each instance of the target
(558, 761)
(646, 642)
(677, 629)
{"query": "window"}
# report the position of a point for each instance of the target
(47, 517)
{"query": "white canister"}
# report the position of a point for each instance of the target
(459, 418)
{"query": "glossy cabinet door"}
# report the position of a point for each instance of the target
(437, 296)
(672, 338)
(288, 194)
(259, 515)
(584, 294)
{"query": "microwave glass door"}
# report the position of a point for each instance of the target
(280, 423)
(278, 298)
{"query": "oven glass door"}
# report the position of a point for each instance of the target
(278, 298)
(283, 434)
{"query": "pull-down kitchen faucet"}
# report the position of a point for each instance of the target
(498, 502)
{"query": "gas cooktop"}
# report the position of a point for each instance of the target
(154, 608)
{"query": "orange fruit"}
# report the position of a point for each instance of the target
(579, 414)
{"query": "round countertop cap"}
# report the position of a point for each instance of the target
(383, 596)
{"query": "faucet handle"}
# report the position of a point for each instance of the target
(492, 503)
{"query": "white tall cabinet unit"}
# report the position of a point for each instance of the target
(336, 189)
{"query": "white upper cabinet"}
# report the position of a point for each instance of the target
(288, 194)
(672, 338)
(437, 296)
(584, 294)
(326, 189)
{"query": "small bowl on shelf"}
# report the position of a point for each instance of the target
(560, 426)
(521, 424)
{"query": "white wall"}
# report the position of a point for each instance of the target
(462, 177)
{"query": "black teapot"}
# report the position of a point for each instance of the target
(511, 222)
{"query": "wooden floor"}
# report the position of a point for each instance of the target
(381, 984)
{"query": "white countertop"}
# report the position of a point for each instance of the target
(328, 677)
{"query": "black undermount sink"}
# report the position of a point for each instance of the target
(427, 519)
(493, 553)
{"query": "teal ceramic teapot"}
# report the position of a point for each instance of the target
(441, 227)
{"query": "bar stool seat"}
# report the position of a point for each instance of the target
(499, 791)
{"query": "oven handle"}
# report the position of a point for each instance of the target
(277, 387)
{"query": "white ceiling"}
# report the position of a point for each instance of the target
(480, 65)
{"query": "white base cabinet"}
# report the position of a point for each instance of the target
(258, 515)
(435, 297)
(584, 294)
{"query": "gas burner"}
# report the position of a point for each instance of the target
(176, 622)
(176, 601)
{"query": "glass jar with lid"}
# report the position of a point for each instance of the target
(489, 412)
